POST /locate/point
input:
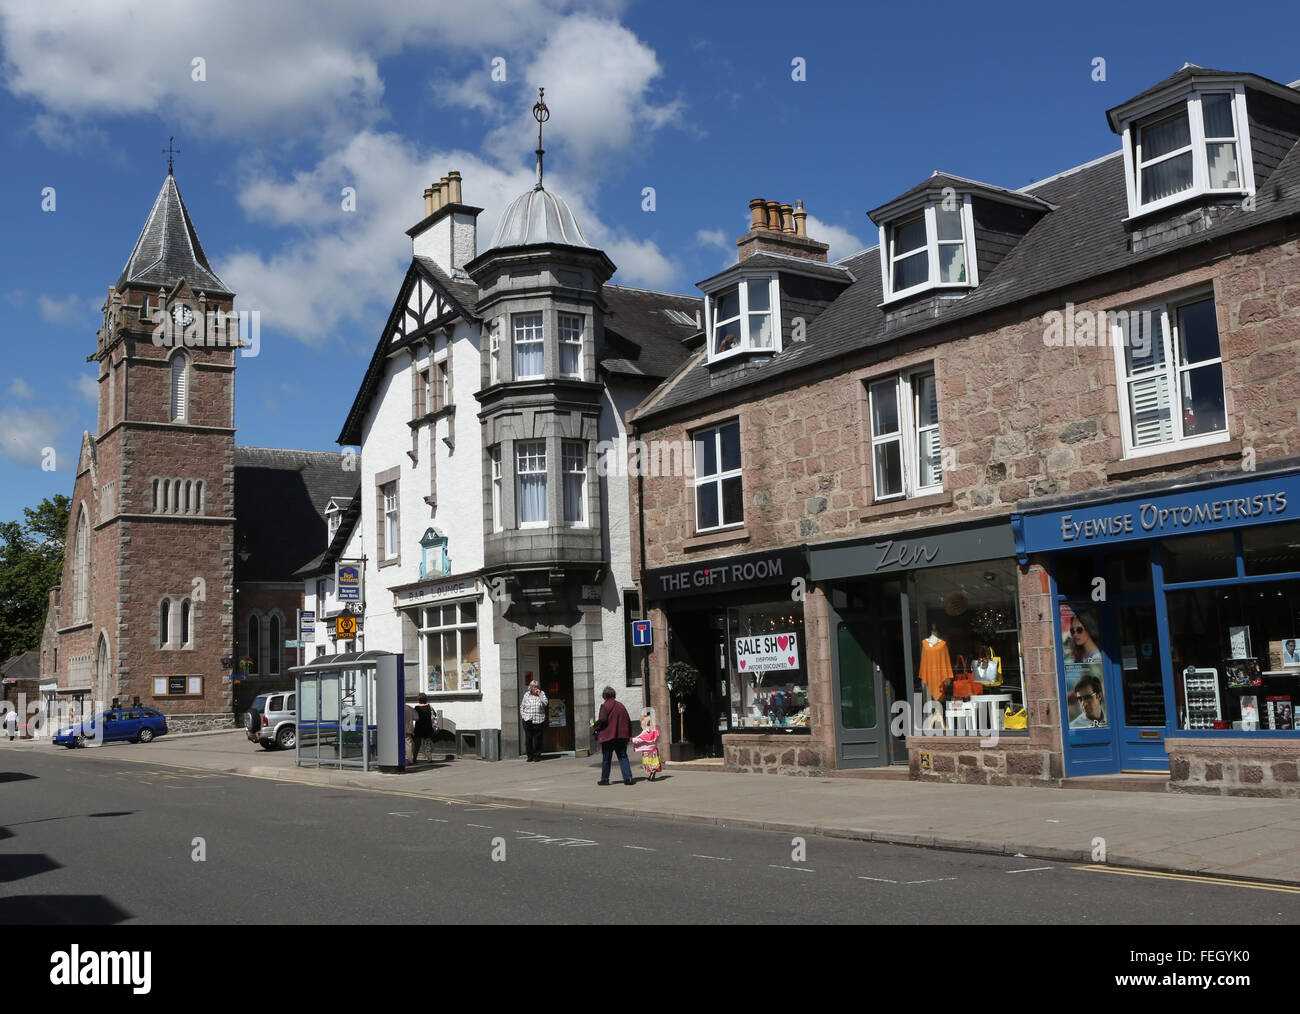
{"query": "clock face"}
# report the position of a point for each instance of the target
(182, 315)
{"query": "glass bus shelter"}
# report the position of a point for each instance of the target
(345, 713)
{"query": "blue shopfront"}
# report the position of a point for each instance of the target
(1178, 613)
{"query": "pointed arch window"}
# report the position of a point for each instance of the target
(81, 569)
(180, 388)
(275, 646)
(253, 646)
(186, 641)
(164, 623)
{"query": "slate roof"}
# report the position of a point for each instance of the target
(640, 339)
(324, 562)
(1083, 238)
(938, 180)
(26, 666)
(169, 249)
(280, 500)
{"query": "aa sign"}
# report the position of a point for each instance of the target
(767, 652)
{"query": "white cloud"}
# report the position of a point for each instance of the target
(20, 389)
(306, 64)
(598, 76)
(712, 237)
(25, 435)
(88, 387)
(15, 297)
(842, 242)
(339, 267)
(61, 311)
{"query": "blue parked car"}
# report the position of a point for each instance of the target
(138, 725)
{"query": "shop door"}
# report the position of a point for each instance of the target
(1136, 687)
(556, 665)
(868, 664)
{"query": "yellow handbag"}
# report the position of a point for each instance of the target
(1017, 719)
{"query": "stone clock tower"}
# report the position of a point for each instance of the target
(146, 603)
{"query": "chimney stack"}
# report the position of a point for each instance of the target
(448, 233)
(428, 201)
(782, 229)
(453, 182)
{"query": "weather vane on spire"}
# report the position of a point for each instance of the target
(541, 114)
(170, 152)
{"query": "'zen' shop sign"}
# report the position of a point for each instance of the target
(767, 652)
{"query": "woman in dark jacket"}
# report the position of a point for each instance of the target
(615, 729)
(423, 727)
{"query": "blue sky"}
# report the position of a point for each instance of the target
(299, 100)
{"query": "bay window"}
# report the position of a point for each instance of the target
(530, 477)
(932, 248)
(744, 318)
(529, 346)
(574, 460)
(570, 346)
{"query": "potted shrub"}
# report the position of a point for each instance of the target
(682, 678)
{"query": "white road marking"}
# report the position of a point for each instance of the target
(797, 869)
(721, 859)
(396, 814)
(639, 848)
(478, 809)
(879, 880)
(935, 881)
(1032, 869)
(487, 827)
(439, 820)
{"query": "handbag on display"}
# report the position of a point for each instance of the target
(1017, 719)
(988, 671)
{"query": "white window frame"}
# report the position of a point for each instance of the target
(1190, 102)
(440, 383)
(745, 345)
(392, 528)
(717, 478)
(573, 464)
(494, 352)
(1164, 316)
(908, 436)
(567, 340)
(525, 453)
(932, 243)
(494, 454)
(439, 629)
(515, 343)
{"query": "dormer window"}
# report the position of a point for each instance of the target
(743, 318)
(929, 249)
(1197, 146)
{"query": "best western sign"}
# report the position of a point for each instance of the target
(737, 573)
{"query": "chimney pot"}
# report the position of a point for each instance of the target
(800, 219)
(758, 212)
(437, 196)
(428, 201)
(787, 218)
(774, 216)
(453, 180)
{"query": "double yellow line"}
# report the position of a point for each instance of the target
(1191, 878)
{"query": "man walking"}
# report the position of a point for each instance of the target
(11, 721)
(532, 709)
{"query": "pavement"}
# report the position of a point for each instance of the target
(1240, 838)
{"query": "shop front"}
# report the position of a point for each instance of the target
(1179, 621)
(924, 639)
(739, 623)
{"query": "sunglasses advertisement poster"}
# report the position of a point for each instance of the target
(1081, 650)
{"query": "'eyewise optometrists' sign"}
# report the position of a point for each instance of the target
(767, 652)
(737, 573)
(1209, 509)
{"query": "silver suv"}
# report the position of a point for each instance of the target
(273, 720)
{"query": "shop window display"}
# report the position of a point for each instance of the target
(966, 635)
(450, 636)
(769, 688)
(1234, 656)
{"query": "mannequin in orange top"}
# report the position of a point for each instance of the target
(935, 664)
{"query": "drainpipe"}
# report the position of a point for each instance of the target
(640, 518)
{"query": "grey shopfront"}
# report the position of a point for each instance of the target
(905, 614)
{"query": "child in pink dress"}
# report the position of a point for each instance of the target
(647, 744)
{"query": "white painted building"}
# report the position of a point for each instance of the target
(493, 549)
